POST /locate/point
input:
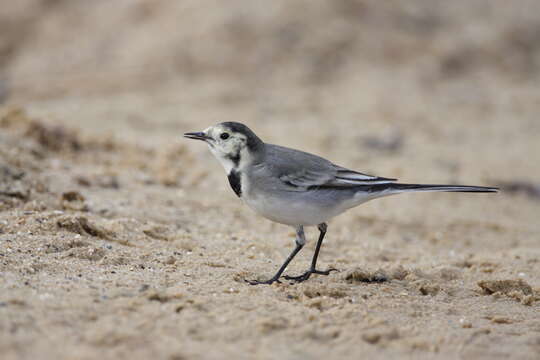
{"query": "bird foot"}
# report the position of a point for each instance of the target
(308, 273)
(262, 282)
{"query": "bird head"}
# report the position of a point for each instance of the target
(232, 143)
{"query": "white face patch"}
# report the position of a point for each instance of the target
(228, 147)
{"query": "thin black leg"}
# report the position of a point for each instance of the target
(276, 277)
(322, 229)
(313, 269)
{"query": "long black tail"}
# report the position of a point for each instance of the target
(393, 188)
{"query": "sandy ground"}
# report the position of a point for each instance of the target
(120, 239)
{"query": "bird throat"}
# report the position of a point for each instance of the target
(235, 159)
(235, 164)
(235, 182)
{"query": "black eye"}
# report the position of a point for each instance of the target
(224, 136)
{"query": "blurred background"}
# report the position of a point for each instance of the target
(122, 237)
(378, 76)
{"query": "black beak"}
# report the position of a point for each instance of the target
(197, 136)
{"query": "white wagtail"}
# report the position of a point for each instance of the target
(296, 188)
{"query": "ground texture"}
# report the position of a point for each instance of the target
(120, 239)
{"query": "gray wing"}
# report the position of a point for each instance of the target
(300, 170)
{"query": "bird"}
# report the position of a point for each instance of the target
(296, 188)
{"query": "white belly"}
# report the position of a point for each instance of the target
(297, 208)
(290, 212)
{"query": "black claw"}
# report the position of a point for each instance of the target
(299, 278)
(265, 282)
(308, 273)
(327, 272)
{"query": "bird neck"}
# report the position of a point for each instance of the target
(240, 160)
